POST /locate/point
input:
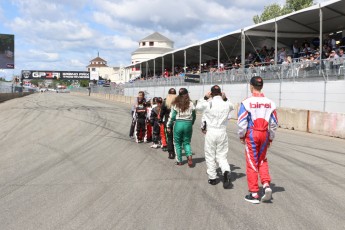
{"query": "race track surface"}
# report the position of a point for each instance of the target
(66, 162)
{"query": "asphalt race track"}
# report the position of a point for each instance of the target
(66, 162)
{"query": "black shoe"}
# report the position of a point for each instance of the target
(164, 148)
(267, 194)
(212, 181)
(251, 199)
(227, 180)
(171, 156)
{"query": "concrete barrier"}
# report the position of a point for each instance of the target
(9, 96)
(294, 119)
(329, 124)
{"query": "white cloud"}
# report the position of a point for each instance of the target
(52, 30)
(70, 33)
(38, 55)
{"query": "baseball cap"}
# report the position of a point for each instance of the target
(182, 91)
(256, 81)
(216, 89)
(172, 91)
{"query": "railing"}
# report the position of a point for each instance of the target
(100, 89)
(326, 70)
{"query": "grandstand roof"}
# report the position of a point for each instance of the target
(155, 37)
(152, 50)
(302, 24)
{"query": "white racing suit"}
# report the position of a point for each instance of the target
(216, 113)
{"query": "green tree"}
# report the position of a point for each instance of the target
(84, 83)
(295, 5)
(36, 82)
(275, 10)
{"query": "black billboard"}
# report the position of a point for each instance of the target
(193, 78)
(6, 51)
(55, 75)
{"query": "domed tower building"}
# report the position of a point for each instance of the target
(98, 68)
(150, 47)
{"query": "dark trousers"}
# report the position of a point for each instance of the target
(141, 129)
(156, 137)
(131, 130)
(170, 136)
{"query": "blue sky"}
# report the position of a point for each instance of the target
(67, 34)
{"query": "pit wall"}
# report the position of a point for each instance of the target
(9, 96)
(323, 123)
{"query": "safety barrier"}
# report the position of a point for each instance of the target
(9, 96)
(323, 123)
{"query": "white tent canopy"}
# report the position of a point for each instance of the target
(278, 32)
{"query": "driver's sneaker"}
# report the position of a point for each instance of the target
(227, 180)
(212, 181)
(155, 146)
(267, 194)
(252, 199)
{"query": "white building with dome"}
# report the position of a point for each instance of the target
(98, 68)
(150, 47)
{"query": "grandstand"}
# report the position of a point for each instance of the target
(267, 49)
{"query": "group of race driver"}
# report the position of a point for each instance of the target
(168, 124)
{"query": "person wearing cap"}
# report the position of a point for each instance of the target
(257, 123)
(183, 114)
(216, 110)
(154, 120)
(168, 144)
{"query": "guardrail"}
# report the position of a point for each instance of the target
(325, 69)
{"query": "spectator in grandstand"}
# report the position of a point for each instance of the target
(166, 73)
(295, 49)
(333, 55)
(164, 116)
(183, 114)
(341, 53)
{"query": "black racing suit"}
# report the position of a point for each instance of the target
(140, 117)
(164, 115)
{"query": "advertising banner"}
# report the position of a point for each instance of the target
(55, 75)
(193, 78)
(6, 51)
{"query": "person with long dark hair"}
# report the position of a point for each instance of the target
(183, 114)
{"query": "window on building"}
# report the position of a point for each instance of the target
(151, 43)
(93, 69)
(144, 43)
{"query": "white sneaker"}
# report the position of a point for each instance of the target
(155, 146)
(267, 194)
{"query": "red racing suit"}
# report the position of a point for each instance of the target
(257, 123)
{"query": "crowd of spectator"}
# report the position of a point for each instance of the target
(300, 51)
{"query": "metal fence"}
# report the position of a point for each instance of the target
(101, 89)
(325, 70)
(5, 87)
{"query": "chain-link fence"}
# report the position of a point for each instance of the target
(116, 89)
(5, 87)
(323, 70)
